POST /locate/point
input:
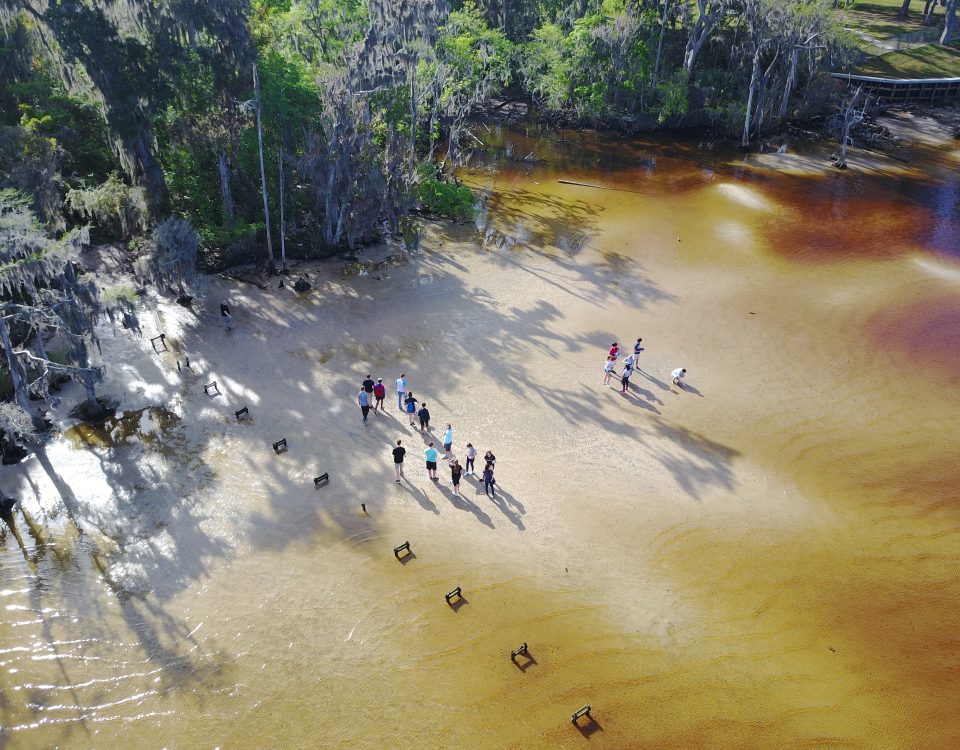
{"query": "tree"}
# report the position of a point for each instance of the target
(170, 258)
(42, 296)
(949, 22)
(851, 116)
(706, 17)
(263, 174)
(472, 62)
(129, 55)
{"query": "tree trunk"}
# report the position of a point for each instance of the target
(41, 347)
(949, 22)
(754, 79)
(928, 10)
(904, 9)
(699, 34)
(138, 159)
(283, 243)
(225, 192)
(88, 384)
(763, 88)
(412, 71)
(790, 82)
(16, 371)
(663, 27)
(263, 174)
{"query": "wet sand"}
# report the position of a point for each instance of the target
(765, 558)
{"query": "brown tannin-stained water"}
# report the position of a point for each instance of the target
(766, 558)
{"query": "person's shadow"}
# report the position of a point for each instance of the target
(461, 503)
(659, 383)
(689, 389)
(639, 402)
(420, 496)
(503, 501)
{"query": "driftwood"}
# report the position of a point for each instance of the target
(600, 187)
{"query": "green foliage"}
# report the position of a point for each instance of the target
(319, 32)
(86, 94)
(445, 199)
(674, 101)
(118, 208)
(597, 70)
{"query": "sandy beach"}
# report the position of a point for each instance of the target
(763, 558)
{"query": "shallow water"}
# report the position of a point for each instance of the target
(767, 558)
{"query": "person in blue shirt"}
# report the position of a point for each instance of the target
(431, 454)
(448, 442)
(363, 398)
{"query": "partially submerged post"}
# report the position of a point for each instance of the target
(582, 711)
(162, 338)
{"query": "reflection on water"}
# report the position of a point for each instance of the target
(765, 559)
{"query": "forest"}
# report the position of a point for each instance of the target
(205, 133)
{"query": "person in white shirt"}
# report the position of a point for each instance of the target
(677, 374)
(608, 370)
(401, 389)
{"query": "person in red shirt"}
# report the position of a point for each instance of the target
(379, 393)
(615, 350)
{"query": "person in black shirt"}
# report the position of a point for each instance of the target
(455, 472)
(489, 481)
(398, 454)
(411, 404)
(225, 314)
(368, 384)
(424, 415)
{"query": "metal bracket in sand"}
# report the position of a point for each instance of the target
(582, 711)
(212, 387)
(241, 413)
(405, 548)
(162, 338)
(455, 594)
(280, 446)
(522, 650)
(322, 479)
(186, 363)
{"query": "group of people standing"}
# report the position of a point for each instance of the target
(372, 395)
(630, 364)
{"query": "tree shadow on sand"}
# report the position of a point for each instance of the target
(145, 543)
(699, 462)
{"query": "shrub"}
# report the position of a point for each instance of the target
(445, 199)
(113, 205)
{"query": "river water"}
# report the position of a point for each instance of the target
(765, 558)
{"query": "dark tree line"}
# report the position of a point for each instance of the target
(303, 126)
